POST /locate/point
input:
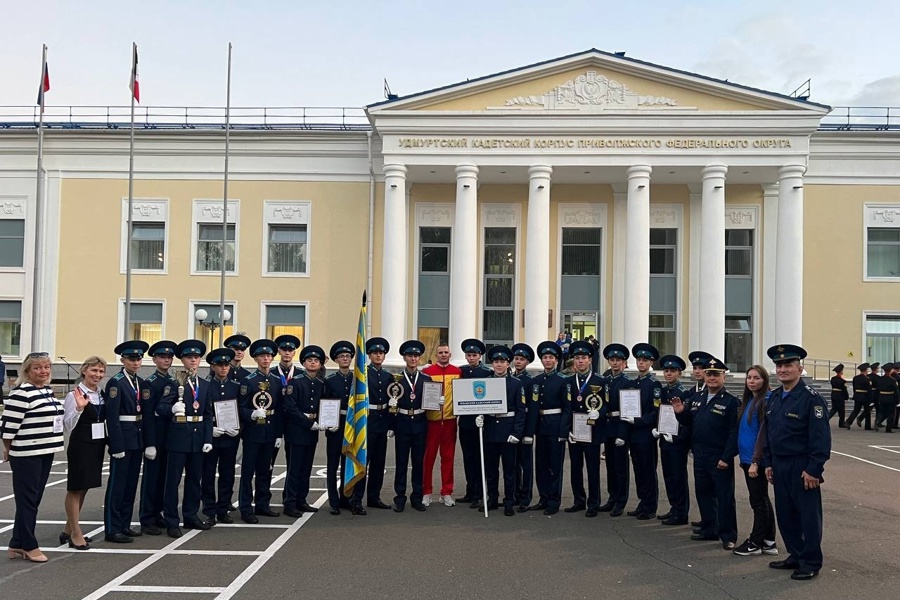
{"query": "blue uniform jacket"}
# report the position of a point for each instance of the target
(684, 432)
(273, 428)
(531, 406)
(238, 374)
(122, 400)
(379, 416)
(576, 386)
(154, 426)
(548, 392)
(219, 391)
(406, 424)
(188, 436)
(469, 372)
(614, 383)
(498, 428)
(651, 392)
(301, 401)
(797, 426)
(713, 424)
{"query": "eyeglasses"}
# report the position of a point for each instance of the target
(38, 355)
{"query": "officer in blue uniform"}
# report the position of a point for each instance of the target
(239, 344)
(301, 429)
(638, 432)
(502, 433)
(697, 359)
(523, 355)
(188, 438)
(618, 479)
(468, 433)
(153, 480)
(378, 380)
(339, 386)
(712, 417)
(674, 449)
(797, 444)
(548, 395)
(261, 407)
(585, 395)
(217, 493)
(408, 428)
(124, 412)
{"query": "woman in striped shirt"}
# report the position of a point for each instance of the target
(32, 431)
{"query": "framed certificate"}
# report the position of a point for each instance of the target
(667, 421)
(431, 395)
(329, 413)
(226, 414)
(630, 404)
(581, 431)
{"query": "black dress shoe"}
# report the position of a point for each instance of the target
(696, 530)
(508, 511)
(617, 511)
(232, 508)
(574, 508)
(224, 518)
(477, 504)
(700, 537)
(398, 507)
(465, 500)
(174, 532)
(551, 511)
(801, 575)
(151, 530)
(633, 513)
(293, 513)
(358, 510)
(784, 565)
(696, 523)
(249, 519)
(307, 508)
(665, 516)
(197, 524)
(418, 506)
(83, 546)
(211, 521)
(605, 507)
(133, 533)
(334, 510)
(267, 512)
(538, 506)
(378, 504)
(591, 513)
(674, 521)
(646, 516)
(118, 538)
(161, 523)
(64, 538)
(522, 508)
(493, 505)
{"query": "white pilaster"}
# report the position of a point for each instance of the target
(537, 255)
(394, 280)
(769, 242)
(464, 261)
(694, 268)
(620, 205)
(712, 261)
(637, 242)
(789, 252)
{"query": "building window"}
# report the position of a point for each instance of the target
(209, 248)
(148, 246)
(434, 288)
(285, 320)
(12, 243)
(208, 331)
(738, 299)
(882, 338)
(499, 285)
(10, 328)
(883, 252)
(581, 251)
(287, 249)
(146, 322)
(663, 290)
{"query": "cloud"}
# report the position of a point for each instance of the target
(881, 92)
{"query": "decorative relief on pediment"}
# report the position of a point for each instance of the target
(590, 91)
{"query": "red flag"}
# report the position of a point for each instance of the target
(44, 87)
(135, 85)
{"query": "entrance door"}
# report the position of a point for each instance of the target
(579, 324)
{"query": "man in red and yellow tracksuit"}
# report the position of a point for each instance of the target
(441, 434)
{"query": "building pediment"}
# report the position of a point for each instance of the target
(590, 91)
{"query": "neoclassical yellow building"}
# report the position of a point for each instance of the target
(592, 193)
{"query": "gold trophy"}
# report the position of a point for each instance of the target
(593, 401)
(395, 391)
(262, 400)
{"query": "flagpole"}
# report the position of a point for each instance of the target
(127, 332)
(38, 214)
(225, 201)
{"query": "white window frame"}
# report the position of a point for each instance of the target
(145, 210)
(263, 316)
(878, 216)
(120, 321)
(587, 215)
(864, 333)
(209, 212)
(671, 216)
(500, 215)
(286, 212)
(747, 217)
(430, 214)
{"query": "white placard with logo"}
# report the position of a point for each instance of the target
(479, 396)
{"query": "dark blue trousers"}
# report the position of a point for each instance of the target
(495, 454)
(333, 444)
(153, 484)
(674, 458)
(296, 484)
(549, 455)
(799, 513)
(580, 455)
(524, 474)
(29, 478)
(121, 489)
(191, 465)
(618, 476)
(217, 494)
(409, 446)
(468, 442)
(644, 458)
(377, 453)
(714, 488)
(256, 462)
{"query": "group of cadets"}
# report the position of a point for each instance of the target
(870, 390)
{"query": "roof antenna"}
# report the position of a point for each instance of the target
(802, 92)
(387, 91)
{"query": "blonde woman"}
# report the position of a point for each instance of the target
(85, 415)
(32, 431)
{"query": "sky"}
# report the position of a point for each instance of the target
(337, 53)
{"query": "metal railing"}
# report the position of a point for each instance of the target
(861, 118)
(187, 117)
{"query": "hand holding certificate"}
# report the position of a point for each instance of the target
(329, 413)
(226, 414)
(581, 431)
(431, 395)
(630, 404)
(668, 424)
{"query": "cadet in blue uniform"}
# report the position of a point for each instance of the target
(408, 427)
(188, 438)
(585, 395)
(153, 480)
(217, 493)
(261, 408)
(502, 433)
(123, 422)
(674, 449)
(468, 432)
(797, 444)
(886, 389)
(638, 432)
(523, 355)
(301, 429)
(861, 386)
(378, 380)
(618, 478)
(239, 344)
(339, 385)
(712, 417)
(548, 395)
(285, 371)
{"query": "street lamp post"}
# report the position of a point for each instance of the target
(211, 324)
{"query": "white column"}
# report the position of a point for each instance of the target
(696, 277)
(789, 253)
(769, 298)
(620, 200)
(537, 255)
(464, 262)
(637, 244)
(712, 261)
(395, 266)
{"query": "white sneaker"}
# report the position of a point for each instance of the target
(448, 501)
(427, 500)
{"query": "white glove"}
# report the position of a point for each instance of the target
(620, 442)
(593, 415)
(258, 414)
(277, 443)
(628, 420)
(315, 426)
(207, 448)
(527, 440)
(392, 402)
(667, 437)
(479, 421)
(655, 433)
(119, 455)
(150, 452)
(512, 440)
(442, 401)
(333, 429)
(572, 438)
(218, 432)
(178, 409)
(390, 433)
(560, 439)
(231, 432)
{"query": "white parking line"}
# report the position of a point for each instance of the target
(887, 448)
(11, 496)
(166, 589)
(865, 461)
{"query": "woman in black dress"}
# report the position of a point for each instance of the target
(84, 420)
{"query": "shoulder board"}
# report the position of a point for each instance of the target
(118, 376)
(560, 375)
(332, 375)
(252, 375)
(152, 377)
(812, 391)
(652, 377)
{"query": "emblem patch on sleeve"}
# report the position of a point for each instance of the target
(145, 394)
(167, 390)
(820, 412)
(113, 392)
(243, 390)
